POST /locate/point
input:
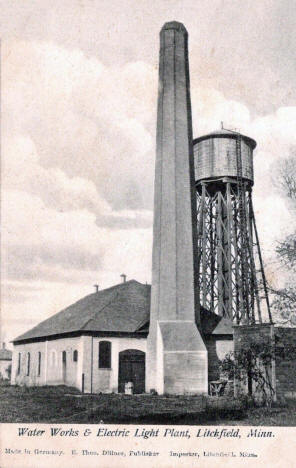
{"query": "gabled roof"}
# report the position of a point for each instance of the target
(123, 308)
(5, 354)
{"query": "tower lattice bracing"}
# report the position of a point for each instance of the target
(229, 263)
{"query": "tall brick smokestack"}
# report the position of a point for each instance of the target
(176, 354)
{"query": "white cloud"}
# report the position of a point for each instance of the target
(22, 171)
(276, 138)
(44, 246)
(78, 170)
(210, 108)
(87, 119)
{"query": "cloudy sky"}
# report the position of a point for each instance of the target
(79, 83)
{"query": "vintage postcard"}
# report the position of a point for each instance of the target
(148, 239)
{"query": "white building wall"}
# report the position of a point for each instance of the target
(4, 364)
(21, 377)
(223, 347)
(52, 371)
(13, 365)
(86, 345)
(57, 373)
(106, 380)
(159, 384)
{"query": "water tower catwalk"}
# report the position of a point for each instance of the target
(230, 270)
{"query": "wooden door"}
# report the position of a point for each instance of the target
(132, 369)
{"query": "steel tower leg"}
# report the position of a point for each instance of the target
(229, 264)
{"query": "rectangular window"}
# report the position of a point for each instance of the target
(39, 363)
(105, 355)
(28, 363)
(19, 364)
(75, 355)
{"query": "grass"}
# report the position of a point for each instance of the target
(60, 404)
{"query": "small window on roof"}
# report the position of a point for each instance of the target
(104, 355)
(75, 355)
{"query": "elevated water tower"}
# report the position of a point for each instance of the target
(231, 280)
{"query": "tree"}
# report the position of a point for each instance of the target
(284, 299)
(251, 367)
(284, 304)
(286, 177)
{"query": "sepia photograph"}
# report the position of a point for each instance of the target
(148, 240)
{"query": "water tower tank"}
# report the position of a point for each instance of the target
(215, 156)
(231, 280)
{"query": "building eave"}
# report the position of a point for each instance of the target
(75, 334)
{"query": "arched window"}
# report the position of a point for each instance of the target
(28, 363)
(104, 355)
(19, 364)
(39, 364)
(75, 355)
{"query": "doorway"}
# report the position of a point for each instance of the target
(131, 369)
